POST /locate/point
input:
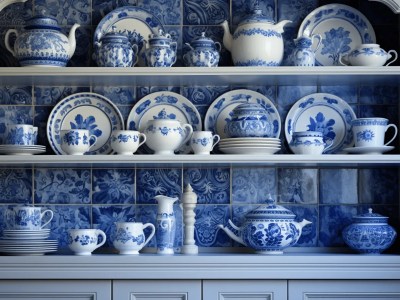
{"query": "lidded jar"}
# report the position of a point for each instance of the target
(115, 50)
(160, 50)
(370, 233)
(204, 52)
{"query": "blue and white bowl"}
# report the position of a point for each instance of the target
(308, 142)
(371, 55)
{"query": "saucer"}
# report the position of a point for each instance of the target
(369, 150)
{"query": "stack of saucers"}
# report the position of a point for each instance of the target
(27, 242)
(250, 145)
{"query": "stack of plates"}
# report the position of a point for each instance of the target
(22, 149)
(27, 242)
(250, 145)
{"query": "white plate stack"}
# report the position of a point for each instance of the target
(22, 149)
(27, 242)
(250, 145)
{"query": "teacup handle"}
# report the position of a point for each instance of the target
(103, 235)
(328, 146)
(189, 132)
(94, 139)
(49, 220)
(394, 55)
(395, 133)
(143, 137)
(319, 41)
(342, 59)
(216, 139)
(153, 231)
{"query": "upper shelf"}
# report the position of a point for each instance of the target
(184, 76)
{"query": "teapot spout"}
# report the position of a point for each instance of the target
(279, 26)
(227, 39)
(231, 234)
(304, 223)
(72, 40)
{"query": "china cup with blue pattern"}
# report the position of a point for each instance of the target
(27, 218)
(204, 52)
(249, 120)
(370, 132)
(203, 142)
(126, 142)
(42, 43)
(130, 237)
(85, 241)
(370, 55)
(369, 233)
(160, 50)
(268, 229)
(77, 141)
(20, 134)
(304, 53)
(309, 142)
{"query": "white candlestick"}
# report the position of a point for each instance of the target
(189, 201)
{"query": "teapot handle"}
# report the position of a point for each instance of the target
(135, 59)
(218, 46)
(189, 132)
(7, 40)
(395, 57)
(319, 41)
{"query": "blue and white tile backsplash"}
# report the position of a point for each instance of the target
(97, 198)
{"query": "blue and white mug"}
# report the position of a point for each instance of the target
(76, 141)
(309, 142)
(27, 218)
(370, 132)
(126, 142)
(130, 237)
(85, 241)
(203, 142)
(19, 134)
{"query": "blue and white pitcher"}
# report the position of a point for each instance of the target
(304, 53)
(166, 224)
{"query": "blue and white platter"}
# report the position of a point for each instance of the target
(342, 29)
(326, 113)
(220, 111)
(134, 22)
(171, 104)
(85, 111)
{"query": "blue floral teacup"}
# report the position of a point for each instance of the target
(27, 218)
(370, 132)
(126, 142)
(309, 142)
(77, 141)
(130, 238)
(85, 241)
(203, 142)
(19, 134)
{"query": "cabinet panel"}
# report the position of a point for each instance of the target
(51, 289)
(244, 289)
(157, 290)
(341, 289)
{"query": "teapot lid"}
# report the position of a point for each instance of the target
(160, 36)
(256, 16)
(243, 107)
(202, 41)
(114, 34)
(370, 217)
(41, 21)
(270, 211)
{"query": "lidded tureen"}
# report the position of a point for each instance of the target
(268, 229)
(204, 52)
(370, 233)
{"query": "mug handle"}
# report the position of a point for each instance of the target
(49, 220)
(395, 57)
(216, 138)
(153, 231)
(327, 147)
(103, 235)
(395, 133)
(94, 139)
(144, 138)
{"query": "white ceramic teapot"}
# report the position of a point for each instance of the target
(257, 41)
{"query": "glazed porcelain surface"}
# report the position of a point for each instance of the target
(304, 53)
(130, 237)
(166, 224)
(369, 55)
(204, 52)
(308, 142)
(160, 50)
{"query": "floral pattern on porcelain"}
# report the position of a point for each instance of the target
(204, 52)
(160, 50)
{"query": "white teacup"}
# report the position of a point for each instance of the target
(85, 241)
(370, 132)
(130, 238)
(203, 142)
(27, 218)
(126, 142)
(76, 141)
(19, 134)
(309, 142)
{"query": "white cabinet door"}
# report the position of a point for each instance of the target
(55, 289)
(244, 289)
(157, 290)
(344, 289)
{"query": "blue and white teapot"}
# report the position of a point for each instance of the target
(160, 50)
(42, 43)
(204, 52)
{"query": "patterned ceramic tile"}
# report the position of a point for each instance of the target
(15, 95)
(379, 94)
(207, 232)
(82, 56)
(332, 220)
(66, 12)
(347, 93)
(105, 217)
(242, 8)
(383, 111)
(167, 11)
(205, 12)
(118, 95)
(16, 186)
(379, 186)
(295, 10)
(62, 186)
(125, 111)
(152, 182)
(14, 115)
(338, 186)
(253, 185)
(298, 185)
(113, 186)
(68, 217)
(101, 8)
(41, 116)
(309, 236)
(52, 95)
(203, 95)
(212, 186)
(16, 14)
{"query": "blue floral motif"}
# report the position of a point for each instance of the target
(88, 123)
(322, 125)
(113, 186)
(15, 185)
(205, 12)
(72, 138)
(335, 43)
(83, 240)
(365, 135)
(123, 235)
(256, 31)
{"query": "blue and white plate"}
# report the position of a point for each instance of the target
(134, 22)
(341, 27)
(85, 111)
(173, 105)
(220, 111)
(322, 112)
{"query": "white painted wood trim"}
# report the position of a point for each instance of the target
(394, 5)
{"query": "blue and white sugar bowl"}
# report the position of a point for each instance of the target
(369, 55)
(160, 50)
(42, 43)
(204, 52)
(370, 233)
(115, 50)
(249, 120)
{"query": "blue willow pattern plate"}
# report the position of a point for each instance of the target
(85, 111)
(342, 29)
(221, 110)
(134, 22)
(170, 104)
(322, 112)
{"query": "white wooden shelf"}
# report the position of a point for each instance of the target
(183, 76)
